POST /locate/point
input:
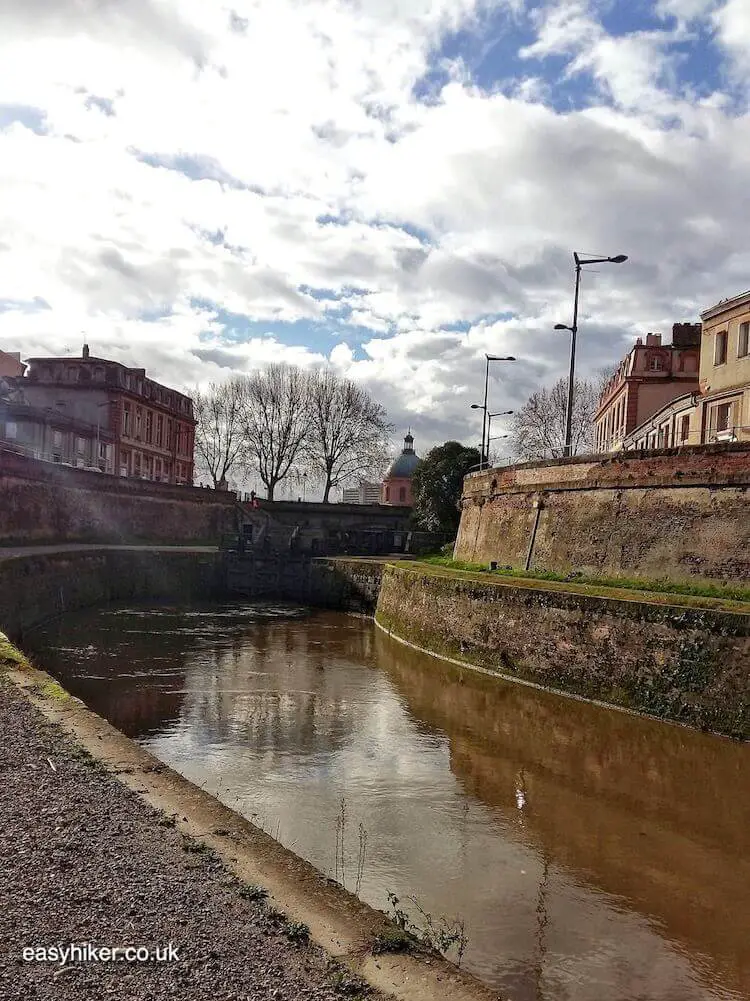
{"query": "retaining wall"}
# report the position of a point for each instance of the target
(690, 665)
(678, 514)
(41, 502)
(38, 587)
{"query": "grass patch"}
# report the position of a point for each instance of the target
(51, 690)
(9, 655)
(707, 595)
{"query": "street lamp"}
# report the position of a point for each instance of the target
(500, 413)
(476, 406)
(99, 406)
(580, 260)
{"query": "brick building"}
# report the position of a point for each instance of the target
(396, 486)
(11, 366)
(649, 378)
(100, 414)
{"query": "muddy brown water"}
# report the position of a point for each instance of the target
(592, 855)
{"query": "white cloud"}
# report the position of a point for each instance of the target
(293, 153)
(733, 24)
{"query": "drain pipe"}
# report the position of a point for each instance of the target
(538, 505)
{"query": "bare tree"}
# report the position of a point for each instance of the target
(349, 431)
(538, 428)
(219, 433)
(276, 415)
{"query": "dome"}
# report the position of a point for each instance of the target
(404, 465)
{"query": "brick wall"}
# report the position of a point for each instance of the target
(41, 502)
(675, 514)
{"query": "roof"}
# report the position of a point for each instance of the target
(403, 466)
(726, 304)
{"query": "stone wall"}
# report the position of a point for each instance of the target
(680, 663)
(675, 514)
(42, 586)
(348, 584)
(41, 502)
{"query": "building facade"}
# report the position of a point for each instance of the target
(723, 410)
(11, 366)
(364, 493)
(669, 427)
(98, 413)
(649, 378)
(396, 489)
(50, 434)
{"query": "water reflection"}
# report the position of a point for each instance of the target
(593, 855)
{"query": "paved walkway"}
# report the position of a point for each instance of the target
(8, 552)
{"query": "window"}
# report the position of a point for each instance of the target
(655, 364)
(743, 340)
(11, 429)
(57, 439)
(722, 414)
(126, 421)
(169, 435)
(80, 445)
(159, 430)
(402, 494)
(138, 416)
(684, 433)
(149, 425)
(387, 493)
(720, 348)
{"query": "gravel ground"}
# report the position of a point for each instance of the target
(84, 860)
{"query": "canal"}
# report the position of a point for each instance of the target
(591, 854)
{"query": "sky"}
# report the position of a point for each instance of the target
(389, 187)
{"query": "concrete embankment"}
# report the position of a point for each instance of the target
(665, 655)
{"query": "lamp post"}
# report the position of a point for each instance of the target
(99, 406)
(580, 260)
(500, 413)
(483, 408)
(496, 437)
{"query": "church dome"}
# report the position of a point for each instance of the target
(404, 465)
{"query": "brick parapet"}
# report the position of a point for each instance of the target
(709, 466)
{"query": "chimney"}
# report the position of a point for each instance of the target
(653, 340)
(686, 335)
(85, 353)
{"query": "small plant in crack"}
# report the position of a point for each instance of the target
(298, 932)
(253, 892)
(440, 935)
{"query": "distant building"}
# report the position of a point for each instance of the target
(723, 410)
(649, 378)
(11, 366)
(669, 427)
(396, 486)
(365, 493)
(94, 413)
